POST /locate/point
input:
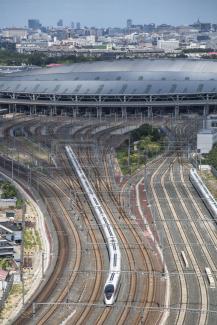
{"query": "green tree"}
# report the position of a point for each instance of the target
(8, 191)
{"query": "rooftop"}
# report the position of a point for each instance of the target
(141, 76)
(207, 131)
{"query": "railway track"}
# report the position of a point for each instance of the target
(51, 311)
(135, 296)
(174, 198)
(96, 290)
(148, 294)
(63, 247)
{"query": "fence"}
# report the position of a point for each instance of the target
(214, 171)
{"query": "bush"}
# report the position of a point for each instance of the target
(144, 131)
(8, 191)
(19, 203)
(212, 157)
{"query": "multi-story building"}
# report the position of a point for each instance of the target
(60, 23)
(169, 45)
(6, 248)
(129, 23)
(78, 25)
(15, 33)
(34, 24)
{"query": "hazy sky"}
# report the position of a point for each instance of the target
(106, 12)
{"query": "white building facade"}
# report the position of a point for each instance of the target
(206, 138)
(168, 46)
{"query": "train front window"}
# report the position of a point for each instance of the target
(109, 290)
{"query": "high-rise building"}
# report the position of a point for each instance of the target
(34, 24)
(149, 28)
(214, 27)
(78, 25)
(72, 25)
(60, 23)
(205, 27)
(129, 23)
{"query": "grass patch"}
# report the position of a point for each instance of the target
(16, 289)
(31, 238)
(38, 240)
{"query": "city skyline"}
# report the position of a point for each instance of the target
(101, 13)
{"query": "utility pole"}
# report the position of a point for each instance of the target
(145, 172)
(42, 265)
(33, 312)
(12, 167)
(129, 151)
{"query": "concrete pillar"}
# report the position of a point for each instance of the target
(150, 112)
(99, 112)
(176, 112)
(124, 112)
(74, 112)
(205, 113)
(206, 110)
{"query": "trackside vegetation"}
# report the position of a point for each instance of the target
(144, 143)
(211, 158)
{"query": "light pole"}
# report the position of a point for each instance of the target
(145, 171)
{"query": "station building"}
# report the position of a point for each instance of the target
(141, 86)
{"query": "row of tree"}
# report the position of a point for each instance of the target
(146, 130)
(11, 58)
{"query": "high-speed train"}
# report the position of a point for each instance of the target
(203, 191)
(112, 284)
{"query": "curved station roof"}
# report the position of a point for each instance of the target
(120, 77)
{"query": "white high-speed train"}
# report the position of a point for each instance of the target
(204, 193)
(112, 284)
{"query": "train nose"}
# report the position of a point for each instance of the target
(108, 296)
(109, 291)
